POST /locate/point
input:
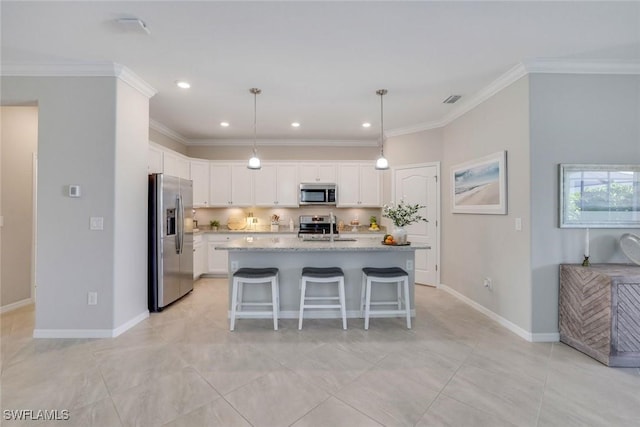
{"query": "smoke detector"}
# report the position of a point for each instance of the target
(134, 24)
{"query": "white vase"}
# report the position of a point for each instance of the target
(399, 235)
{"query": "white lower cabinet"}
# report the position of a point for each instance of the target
(217, 260)
(198, 256)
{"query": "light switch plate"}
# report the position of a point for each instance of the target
(96, 223)
(518, 224)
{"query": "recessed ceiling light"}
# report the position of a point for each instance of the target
(295, 124)
(182, 84)
(366, 125)
(224, 124)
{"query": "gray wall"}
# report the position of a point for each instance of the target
(574, 119)
(77, 145)
(282, 152)
(165, 141)
(19, 139)
(478, 246)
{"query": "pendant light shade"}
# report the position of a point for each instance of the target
(254, 161)
(382, 163)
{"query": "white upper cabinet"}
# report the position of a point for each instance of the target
(276, 185)
(176, 165)
(230, 184)
(317, 172)
(359, 185)
(220, 184)
(155, 160)
(200, 177)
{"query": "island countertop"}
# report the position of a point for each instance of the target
(295, 244)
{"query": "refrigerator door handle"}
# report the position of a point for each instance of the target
(177, 224)
(181, 228)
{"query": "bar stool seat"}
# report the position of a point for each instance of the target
(371, 275)
(254, 276)
(322, 275)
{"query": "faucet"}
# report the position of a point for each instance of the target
(332, 221)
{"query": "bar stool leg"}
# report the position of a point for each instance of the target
(274, 301)
(406, 301)
(303, 289)
(399, 292)
(343, 308)
(367, 303)
(234, 304)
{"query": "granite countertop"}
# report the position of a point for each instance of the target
(294, 244)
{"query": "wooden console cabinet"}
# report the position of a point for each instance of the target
(599, 312)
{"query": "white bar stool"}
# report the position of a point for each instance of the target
(254, 276)
(322, 275)
(396, 275)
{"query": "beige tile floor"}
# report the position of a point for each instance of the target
(182, 367)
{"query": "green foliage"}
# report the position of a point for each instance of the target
(614, 198)
(403, 214)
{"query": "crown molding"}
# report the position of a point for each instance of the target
(532, 66)
(286, 142)
(558, 66)
(159, 127)
(95, 69)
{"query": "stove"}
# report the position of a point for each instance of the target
(316, 224)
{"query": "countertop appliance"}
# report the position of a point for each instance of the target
(316, 224)
(318, 194)
(170, 239)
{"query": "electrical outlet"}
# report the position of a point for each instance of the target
(518, 224)
(488, 283)
(409, 264)
(234, 265)
(96, 223)
(92, 298)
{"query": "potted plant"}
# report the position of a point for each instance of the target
(402, 215)
(214, 224)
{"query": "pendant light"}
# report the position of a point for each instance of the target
(382, 163)
(254, 161)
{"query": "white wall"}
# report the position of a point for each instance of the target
(131, 187)
(477, 246)
(77, 145)
(574, 119)
(19, 126)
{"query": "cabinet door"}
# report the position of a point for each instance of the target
(327, 173)
(348, 184)
(155, 160)
(219, 185)
(265, 186)
(217, 260)
(241, 185)
(370, 185)
(176, 165)
(287, 185)
(200, 178)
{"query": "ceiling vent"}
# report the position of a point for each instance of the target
(134, 24)
(452, 99)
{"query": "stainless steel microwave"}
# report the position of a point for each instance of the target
(318, 194)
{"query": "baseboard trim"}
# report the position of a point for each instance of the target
(90, 333)
(15, 305)
(130, 323)
(529, 336)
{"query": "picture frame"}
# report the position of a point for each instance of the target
(479, 186)
(599, 196)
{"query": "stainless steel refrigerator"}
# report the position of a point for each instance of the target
(170, 239)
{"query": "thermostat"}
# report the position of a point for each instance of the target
(74, 191)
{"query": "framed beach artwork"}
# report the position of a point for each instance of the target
(480, 186)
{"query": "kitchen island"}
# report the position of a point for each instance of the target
(290, 255)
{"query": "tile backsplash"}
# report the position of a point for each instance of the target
(263, 215)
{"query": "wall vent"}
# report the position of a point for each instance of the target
(452, 99)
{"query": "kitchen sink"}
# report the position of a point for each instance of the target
(328, 239)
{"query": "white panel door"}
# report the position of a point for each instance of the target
(155, 160)
(219, 185)
(241, 185)
(265, 187)
(349, 184)
(420, 185)
(370, 185)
